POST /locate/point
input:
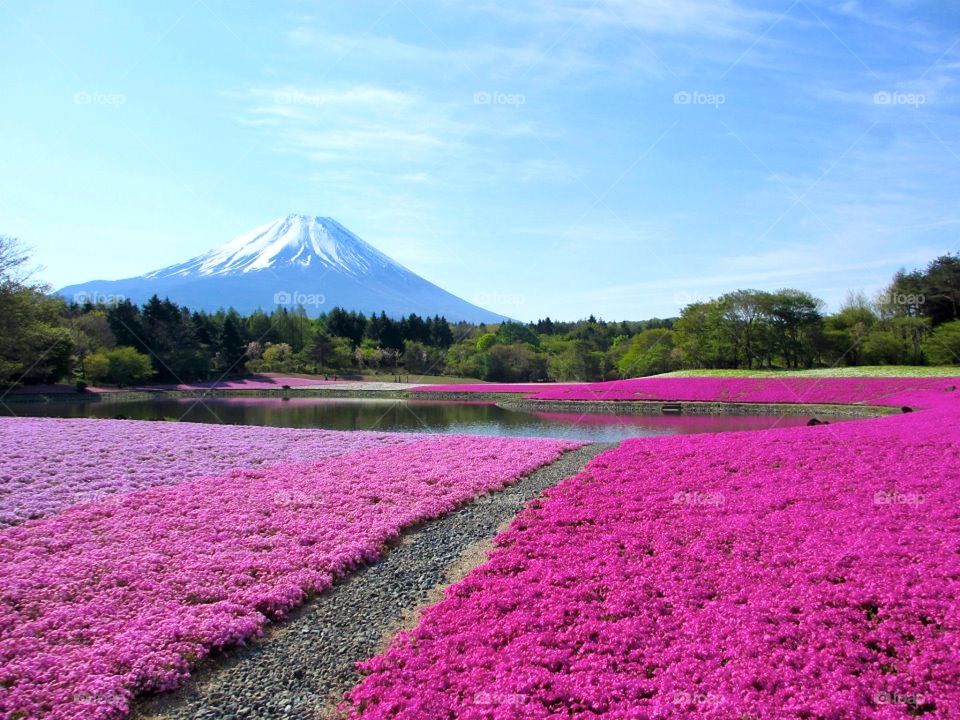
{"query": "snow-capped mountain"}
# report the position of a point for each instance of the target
(297, 260)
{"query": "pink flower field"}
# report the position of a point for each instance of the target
(50, 464)
(878, 391)
(256, 382)
(801, 573)
(125, 594)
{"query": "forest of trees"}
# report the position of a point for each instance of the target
(44, 338)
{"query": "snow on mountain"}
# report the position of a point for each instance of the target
(293, 240)
(297, 260)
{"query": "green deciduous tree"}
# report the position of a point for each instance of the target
(942, 347)
(649, 353)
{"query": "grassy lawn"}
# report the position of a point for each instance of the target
(865, 371)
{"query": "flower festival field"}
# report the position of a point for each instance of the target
(50, 464)
(826, 390)
(124, 594)
(802, 573)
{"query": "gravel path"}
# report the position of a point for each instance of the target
(300, 669)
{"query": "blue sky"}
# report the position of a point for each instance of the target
(615, 157)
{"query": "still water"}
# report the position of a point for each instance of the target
(476, 418)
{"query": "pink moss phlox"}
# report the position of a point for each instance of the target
(794, 574)
(124, 595)
(50, 464)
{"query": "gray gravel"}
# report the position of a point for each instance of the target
(300, 669)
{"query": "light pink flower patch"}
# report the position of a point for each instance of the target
(796, 574)
(123, 595)
(256, 382)
(47, 464)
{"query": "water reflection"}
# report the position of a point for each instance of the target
(476, 417)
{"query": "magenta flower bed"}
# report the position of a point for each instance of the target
(798, 574)
(879, 391)
(124, 595)
(526, 388)
(843, 391)
(47, 465)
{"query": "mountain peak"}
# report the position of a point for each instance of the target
(295, 240)
(305, 260)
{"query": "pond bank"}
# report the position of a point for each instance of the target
(506, 400)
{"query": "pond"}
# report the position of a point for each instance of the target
(452, 417)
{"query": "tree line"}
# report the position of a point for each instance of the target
(44, 338)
